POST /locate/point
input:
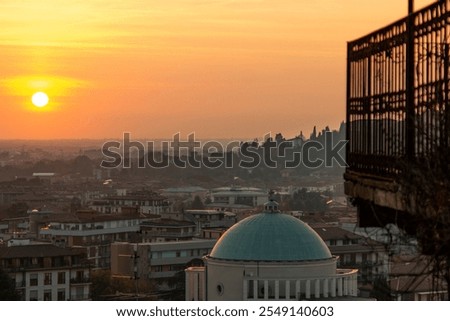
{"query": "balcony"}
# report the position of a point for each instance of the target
(89, 232)
(80, 281)
(398, 114)
(80, 297)
(148, 234)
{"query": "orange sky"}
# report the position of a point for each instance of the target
(219, 68)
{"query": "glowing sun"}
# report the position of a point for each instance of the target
(39, 99)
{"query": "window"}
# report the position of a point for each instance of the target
(176, 267)
(358, 258)
(58, 261)
(251, 284)
(33, 295)
(168, 254)
(80, 275)
(157, 268)
(33, 279)
(47, 295)
(220, 289)
(24, 262)
(47, 279)
(347, 258)
(79, 293)
(61, 295)
(61, 277)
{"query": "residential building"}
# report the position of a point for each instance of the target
(157, 261)
(94, 232)
(249, 196)
(165, 230)
(185, 192)
(45, 272)
(354, 251)
(412, 279)
(146, 202)
(210, 218)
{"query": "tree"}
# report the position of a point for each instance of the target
(7, 288)
(303, 200)
(177, 283)
(197, 203)
(83, 165)
(426, 193)
(381, 290)
(313, 135)
(17, 209)
(101, 284)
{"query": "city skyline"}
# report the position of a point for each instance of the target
(220, 69)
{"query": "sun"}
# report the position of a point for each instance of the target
(39, 99)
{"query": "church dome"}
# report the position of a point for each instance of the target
(270, 236)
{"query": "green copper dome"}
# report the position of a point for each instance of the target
(270, 236)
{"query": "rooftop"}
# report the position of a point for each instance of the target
(39, 250)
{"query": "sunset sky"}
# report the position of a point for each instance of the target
(219, 68)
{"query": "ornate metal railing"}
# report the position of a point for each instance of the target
(398, 92)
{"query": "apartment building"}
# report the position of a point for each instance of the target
(94, 232)
(355, 251)
(145, 202)
(45, 272)
(156, 261)
(165, 230)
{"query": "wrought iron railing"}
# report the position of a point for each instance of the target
(398, 92)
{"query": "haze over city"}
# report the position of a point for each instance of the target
(153, 68)
(224, 150)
